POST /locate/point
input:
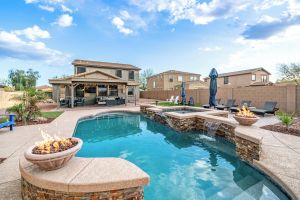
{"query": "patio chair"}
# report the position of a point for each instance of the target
(80, 102)
(229, 103)
(246, 103)
(10, 123)
(171, 99)
(208, 106)
(176, 100)
(191, 102)
(268, 108)
(64, 102)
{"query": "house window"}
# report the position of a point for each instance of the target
(154, 84)
(264, 78)
(130, 91)
(113, 89)
(180, 78)
(226, 80)
(90, 89)
(119, 73)
(81, 70)
(191, 78)
(102, 90)
(79, 91)
(171, 79)
(131, 75)
(253, 77)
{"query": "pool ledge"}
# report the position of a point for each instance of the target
(87, 175)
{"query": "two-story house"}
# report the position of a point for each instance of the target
(93, 79)
(172, 79)
(249, 77)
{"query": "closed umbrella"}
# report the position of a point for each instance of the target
(183, 94)
(213, 75)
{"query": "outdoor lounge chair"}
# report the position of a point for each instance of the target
(268, 108)
(64, 102)
(10, 123)
(171, 99)
(176, 100)
(208, 106)
(229, 103)
(191, 102)
(246, 103)
(80, 102)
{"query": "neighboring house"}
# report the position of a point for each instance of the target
(47, 89)
(94, 79)
(249, 77)
(172, 79)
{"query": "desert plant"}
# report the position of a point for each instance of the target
(28, 108)
(286, 118)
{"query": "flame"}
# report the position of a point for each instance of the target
(53, 144)
(245, 112)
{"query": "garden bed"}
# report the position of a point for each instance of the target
(293, 129)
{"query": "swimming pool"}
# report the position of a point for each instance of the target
(181, 166)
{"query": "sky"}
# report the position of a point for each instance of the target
(187, 35)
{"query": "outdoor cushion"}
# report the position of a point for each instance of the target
(230, 103)
(260, 111)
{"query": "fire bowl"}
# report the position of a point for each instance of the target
(53, 161)
(245, 121)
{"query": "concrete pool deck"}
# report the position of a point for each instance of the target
(280, 157)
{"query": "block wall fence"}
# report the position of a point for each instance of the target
(287, 96)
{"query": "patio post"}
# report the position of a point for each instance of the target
(72, 96)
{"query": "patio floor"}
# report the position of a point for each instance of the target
(280, 152)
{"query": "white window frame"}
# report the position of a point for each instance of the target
(253, 77)
(180, 78)
(154, 84)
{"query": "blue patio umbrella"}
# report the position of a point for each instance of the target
(183, 94)
(213, 75)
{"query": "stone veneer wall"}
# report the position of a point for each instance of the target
(31, 192)
(246, 149)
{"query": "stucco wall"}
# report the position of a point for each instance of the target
(288, 97)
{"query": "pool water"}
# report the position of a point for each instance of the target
(181, 165)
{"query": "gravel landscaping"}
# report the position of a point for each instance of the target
(293, 129)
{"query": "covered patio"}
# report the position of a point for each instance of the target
(92, 88)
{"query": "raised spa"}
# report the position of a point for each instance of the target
(189, 165)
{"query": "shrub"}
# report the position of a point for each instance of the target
(9, 89)
(286, 118)
(28, 109)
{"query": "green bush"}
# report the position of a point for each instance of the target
(28, 109)
(286, 118)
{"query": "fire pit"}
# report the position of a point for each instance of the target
(245, 117)
(53, 152)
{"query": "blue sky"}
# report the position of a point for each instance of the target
(187, 35)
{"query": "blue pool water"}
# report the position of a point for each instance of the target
(181, 166)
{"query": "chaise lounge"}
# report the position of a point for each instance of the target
(208, 106)
(10, 123)
(246, 103)
(229, 103)
(268, 108)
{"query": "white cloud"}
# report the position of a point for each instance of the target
(268, 53)
(47, 8)
(66, 9)
(33, 33)
(45, 1)
(210, 49)
(193, 10)
(64, 20)
(12, 46)
(119, 23)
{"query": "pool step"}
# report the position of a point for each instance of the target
(234, 189)
(253, 192)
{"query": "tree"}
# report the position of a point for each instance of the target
(290, 72)
(22, 80)
(143, 78)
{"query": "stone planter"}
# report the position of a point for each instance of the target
(245, 121)
(54, 160)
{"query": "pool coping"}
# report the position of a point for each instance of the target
(242, 131)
